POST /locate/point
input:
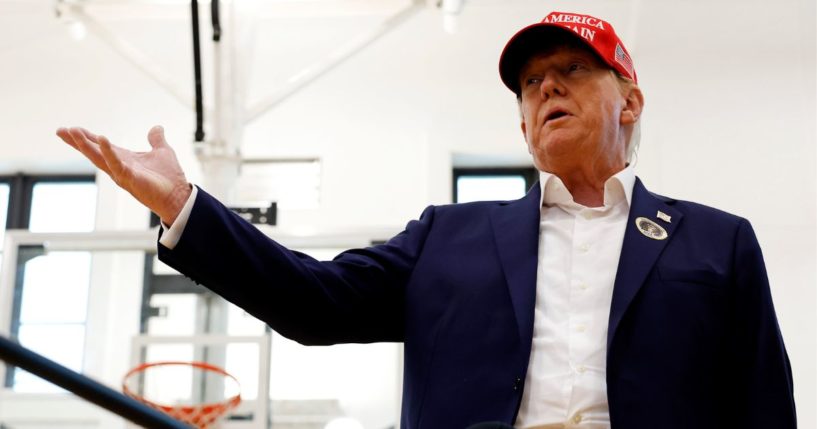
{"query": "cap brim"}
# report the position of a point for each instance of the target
(526, 42)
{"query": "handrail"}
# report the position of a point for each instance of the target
(86, 388)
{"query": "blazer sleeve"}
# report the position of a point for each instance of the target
(764, 373)
(358, 297)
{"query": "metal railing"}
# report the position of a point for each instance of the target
(15, 354)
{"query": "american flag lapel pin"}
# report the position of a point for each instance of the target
(665, 217)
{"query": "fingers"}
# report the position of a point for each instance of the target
(66, 137)
(112, 158)
(156, 137)
(77, 140)
(89, 135)
(64, 133)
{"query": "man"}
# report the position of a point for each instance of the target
(589, 303)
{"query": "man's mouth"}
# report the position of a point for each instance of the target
(556, 114)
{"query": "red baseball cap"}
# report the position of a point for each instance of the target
(595, 33)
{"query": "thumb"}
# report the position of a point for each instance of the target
(156, 137)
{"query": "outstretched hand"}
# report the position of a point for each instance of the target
(154, 178)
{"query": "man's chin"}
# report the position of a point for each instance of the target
(559, 144)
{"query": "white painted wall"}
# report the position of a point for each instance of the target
(729, 119)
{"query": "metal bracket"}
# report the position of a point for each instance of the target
(259, 215)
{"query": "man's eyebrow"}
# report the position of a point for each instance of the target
(581, 55)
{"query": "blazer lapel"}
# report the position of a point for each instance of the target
(516, 233)
(639, 252)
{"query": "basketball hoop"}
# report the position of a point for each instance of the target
(199, 415)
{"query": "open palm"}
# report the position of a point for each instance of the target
(155, 178)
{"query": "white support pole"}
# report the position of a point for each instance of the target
(237, 43)
(7, 293)
(220, 154)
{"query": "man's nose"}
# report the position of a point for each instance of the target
(551, 86)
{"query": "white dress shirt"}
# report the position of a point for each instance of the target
(579, 248)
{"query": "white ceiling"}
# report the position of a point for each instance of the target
(278, 40)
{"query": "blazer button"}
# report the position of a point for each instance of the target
(517, 384)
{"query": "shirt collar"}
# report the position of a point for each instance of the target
(618, 187)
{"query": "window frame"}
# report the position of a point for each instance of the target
(21, 190)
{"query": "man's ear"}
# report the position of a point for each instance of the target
(634, 103)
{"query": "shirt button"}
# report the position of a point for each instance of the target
(577, 418)
(580, 328)
(581, 370)
(584, 248)
(588, 215)
(583, 286)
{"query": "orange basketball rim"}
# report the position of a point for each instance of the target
(199, 415)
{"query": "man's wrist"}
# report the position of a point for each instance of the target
(176, 201)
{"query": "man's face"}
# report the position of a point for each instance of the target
(575, 112)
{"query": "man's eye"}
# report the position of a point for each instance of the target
(533, 81)
(574, 67)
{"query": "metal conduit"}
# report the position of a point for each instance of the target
(194, 10)
(215, 19)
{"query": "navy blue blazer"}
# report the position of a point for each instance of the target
(693, 340)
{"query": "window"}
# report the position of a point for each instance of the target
(51, 290)
(62, 207)
(52, 311)
(484, 184)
